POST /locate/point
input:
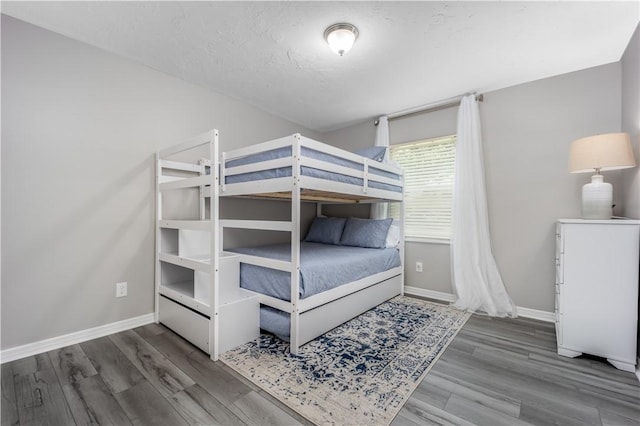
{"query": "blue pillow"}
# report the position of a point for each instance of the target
(369, 233)
(373, 152)
(326, 230)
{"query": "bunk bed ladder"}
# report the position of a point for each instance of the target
(204, 182)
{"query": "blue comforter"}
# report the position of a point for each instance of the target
(322, 267)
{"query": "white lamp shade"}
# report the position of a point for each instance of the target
(341, 37)
(601, 152)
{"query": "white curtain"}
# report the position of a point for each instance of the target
(379, 210)
(475, 275)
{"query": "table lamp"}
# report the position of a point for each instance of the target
(600, 153)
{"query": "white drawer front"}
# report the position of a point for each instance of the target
(188, 324)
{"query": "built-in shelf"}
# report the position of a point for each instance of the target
(183, 292)
(197, 263)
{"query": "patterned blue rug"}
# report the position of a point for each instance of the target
(361, 372)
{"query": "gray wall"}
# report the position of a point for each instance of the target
(79, 129)
(527, 131)
(631, 123)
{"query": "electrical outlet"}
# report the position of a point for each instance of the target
(418, 266)
(121, 289)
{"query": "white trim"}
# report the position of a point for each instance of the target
(448, 297)
(536, 314)
(47, 345)
(431, 294)
(423, 240)
(638, 368)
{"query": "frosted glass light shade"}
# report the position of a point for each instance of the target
(341, 37)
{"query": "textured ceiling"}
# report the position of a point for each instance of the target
(272, 54)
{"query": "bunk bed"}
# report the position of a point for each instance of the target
(197, 293)
(294, 169)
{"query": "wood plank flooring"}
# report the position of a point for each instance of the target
(495, 372)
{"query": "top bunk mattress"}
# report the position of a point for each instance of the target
(322, 267)
(307, 171)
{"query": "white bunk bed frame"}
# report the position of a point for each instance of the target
(314, 315)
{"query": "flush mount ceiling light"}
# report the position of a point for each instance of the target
(341, 37)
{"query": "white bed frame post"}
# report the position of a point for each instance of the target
(295, 246)
(216, 248)
(158, 236)
(201, 198)
(402, 237)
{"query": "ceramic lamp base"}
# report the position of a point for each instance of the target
(597, 199)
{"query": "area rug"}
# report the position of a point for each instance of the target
(361, 372)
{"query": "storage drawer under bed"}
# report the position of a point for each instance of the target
(239, 321)
(191, 325)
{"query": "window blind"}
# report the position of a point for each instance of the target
(429, 168)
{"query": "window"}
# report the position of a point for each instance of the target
(429, 168)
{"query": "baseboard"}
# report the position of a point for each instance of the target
(46, 345)
(536, 314)
(448, 297)
(431, 294)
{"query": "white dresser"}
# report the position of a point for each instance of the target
(597, 264)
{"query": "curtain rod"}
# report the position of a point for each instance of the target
(432, 107)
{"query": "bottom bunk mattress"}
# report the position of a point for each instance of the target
(322, 267)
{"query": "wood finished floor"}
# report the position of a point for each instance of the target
(495, 372)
